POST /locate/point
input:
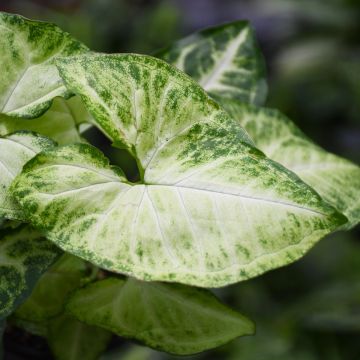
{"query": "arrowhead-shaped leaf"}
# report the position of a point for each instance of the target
(336, 179)
(24, 256)
(174, 318)
(15, 150)
(225, 60)
(69, 339)
(211, 210)
(48, 296)
(59, 123)
(29, 79)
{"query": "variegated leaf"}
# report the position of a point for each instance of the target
(211, 209)
(29, 78)
(173, 318)
(141, 103)
(15, 150)
(59, 123)
(205, 224)
(225, 60)
(336, 179)
(24, 256)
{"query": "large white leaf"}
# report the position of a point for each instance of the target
(225, 60)
(336, 179)
(29, 78)
(211, 209)
(15, 150)
(170, 317)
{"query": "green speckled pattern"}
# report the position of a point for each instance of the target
(24, 256)
(202, 224)
(29, 80)
(59, 123)
(15, 150)
(173, 318)
(225, 60)
(212, 210)
(142, 103)
(336, 179)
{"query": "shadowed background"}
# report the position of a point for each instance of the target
(311, 309)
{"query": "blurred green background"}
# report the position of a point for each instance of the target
(311, 309)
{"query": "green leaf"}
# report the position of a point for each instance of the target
(24, 256)
(48, 297)
(59, 123)
(174, 318)
(29, 78)
(336, 179)
(212, 210)
(15, 150)
(70, 339)
(225, 60)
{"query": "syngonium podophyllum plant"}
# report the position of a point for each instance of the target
(227, 189)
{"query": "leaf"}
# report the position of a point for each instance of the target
(55, 285)
(336, 179)
(29, 50)
(24, 256)
(174, 318)
(225, 60)
(141, 102)
(70, 339)
(58, 123)
(212, 210)
(15, 150)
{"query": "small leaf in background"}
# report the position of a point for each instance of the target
(336, 179)
(173, 318)
(59, 123)
(48, 297)
(29, 50)
(69, 339)
(225, 60)
(25, 256)
(15, 150)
